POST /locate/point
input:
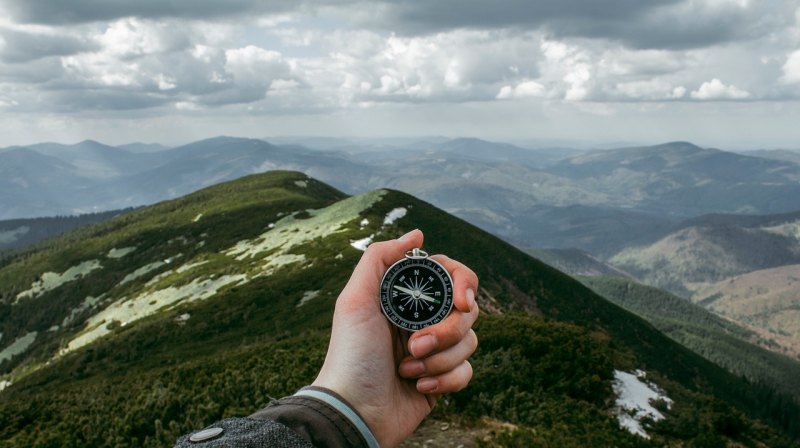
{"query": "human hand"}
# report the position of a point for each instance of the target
(391, 379)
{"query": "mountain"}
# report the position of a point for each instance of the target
(175, 315)
(682, 179)
(713, 248)
(52, 179)
(138, 147)
(742, 267)
(599, 201)
(95, 160)
(576, 262)
(715, 338)
(493, 152)
(601, 231)
(33, 183)
(786, 155)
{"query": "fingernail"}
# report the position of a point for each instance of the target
(407, 235)
(423, 345)
(414, 368)
(427, 385)
(470, 298)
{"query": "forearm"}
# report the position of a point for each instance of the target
(314, 417)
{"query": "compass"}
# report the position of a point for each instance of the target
(416, 292)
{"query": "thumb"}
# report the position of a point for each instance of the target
(367, 275)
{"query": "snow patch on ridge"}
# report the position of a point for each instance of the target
(190, 266)
(394, 215)
(633, 401)
(88, 302)
(18, 346)
(125, 311)
(119, 253)
(362, 244)
(141, 271)
(290, 232)
(51, 280)
(307, 296)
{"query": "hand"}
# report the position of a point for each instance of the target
(368, 361)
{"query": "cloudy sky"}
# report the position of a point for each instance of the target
(722, 73)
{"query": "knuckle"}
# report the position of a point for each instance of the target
(472, 340)
(375, 248)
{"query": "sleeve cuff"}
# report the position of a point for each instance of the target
(322, 417)
(335, 401)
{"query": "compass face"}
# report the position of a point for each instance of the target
(416, 293)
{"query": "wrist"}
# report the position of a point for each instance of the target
(343, 407)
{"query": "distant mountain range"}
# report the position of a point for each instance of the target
(177, 314)
(669, 215)
(598, 201)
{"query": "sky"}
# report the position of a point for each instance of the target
(723, 73)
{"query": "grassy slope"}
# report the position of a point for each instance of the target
(161, 378)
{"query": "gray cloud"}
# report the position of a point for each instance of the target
(81, 11)
(668, 24)
(18, 46)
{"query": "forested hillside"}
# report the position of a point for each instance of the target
(138, 329)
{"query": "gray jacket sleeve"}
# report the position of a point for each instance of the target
(313, 417)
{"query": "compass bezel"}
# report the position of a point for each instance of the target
(389, 305)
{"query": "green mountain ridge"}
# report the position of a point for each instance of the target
(178, 314)
(716, 339)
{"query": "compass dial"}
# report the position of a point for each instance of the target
(416, 292)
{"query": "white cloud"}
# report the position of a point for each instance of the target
(716, 90)
(525, 89)
(572, 65)
(791, 69)
(132, 37)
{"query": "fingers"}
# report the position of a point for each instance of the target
(441, 362)
(465, 282)
(458, 324)
(452, 381)
(440, 352)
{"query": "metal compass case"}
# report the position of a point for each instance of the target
(416, 292)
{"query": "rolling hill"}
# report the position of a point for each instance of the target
(576, 262)
(766, 299)
(711, 248)
(743, 267)
(175, 315)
